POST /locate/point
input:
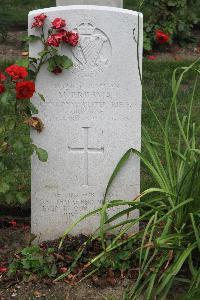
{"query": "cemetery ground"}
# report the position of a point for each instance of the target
(15, 228)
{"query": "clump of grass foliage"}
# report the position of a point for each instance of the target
(169, 243)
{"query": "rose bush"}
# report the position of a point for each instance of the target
(16, 146)
(16, 110)
(175, 18)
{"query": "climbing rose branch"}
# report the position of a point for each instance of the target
(56, 35)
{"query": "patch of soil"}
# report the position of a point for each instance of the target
(177, 53)
(60, 291)
(11, 48)
(191, 51)
(15, 235)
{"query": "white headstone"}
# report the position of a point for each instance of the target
(92, 116)
(115, 3)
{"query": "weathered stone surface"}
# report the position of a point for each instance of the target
(92, 116)
(115, 3)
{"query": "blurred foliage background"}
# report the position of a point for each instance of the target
(178, 18)
(13, 13)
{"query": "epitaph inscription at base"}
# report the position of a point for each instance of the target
(92, 116)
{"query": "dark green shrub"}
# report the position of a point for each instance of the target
(175, 17)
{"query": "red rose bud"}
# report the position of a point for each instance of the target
(162, 37)
(63, 270)
(3, 269)
(55, 39)
(40, 17)
(43, 246)
(2, 88)
(57, 70)
(151, 57)
(2, 77)
(25, 89)
(16, 72)
(72, 38)
(64, 35)
(58, 23)
(39, 20)
(26, 226)
(13, 223)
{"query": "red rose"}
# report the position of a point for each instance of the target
(57, 70)
(2, 88)
(63, 270)
(54, 39)
(162, 37)
(39, 20)
(73, 38)
(58, 23)
(13, 223)
(2, 77)
(16, 72)
(3, 269)
(25, 89)
(40, 17)
(151, 57)
(70, 37)
(64, 35)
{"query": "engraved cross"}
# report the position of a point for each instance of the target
(86, 150)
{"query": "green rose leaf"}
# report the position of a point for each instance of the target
(4, 187)
(171, 3)
(66, 62)
(33, 109)
(32, 38)
(42, 154)
(5, 99)
(51, 64)
(41, 97)
(43, 53)
(10, 123)
(22, 62)
(21, 198)
(10, 198)
(62, 61)
(18, 147)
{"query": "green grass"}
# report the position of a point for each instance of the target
(157, 86)
(166, 248)
(14, 13)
